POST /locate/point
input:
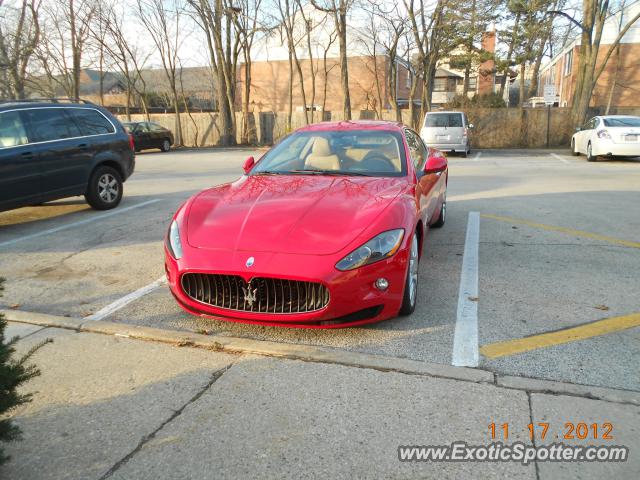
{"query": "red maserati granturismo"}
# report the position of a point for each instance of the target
(325, 230)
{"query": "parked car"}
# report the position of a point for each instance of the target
(325, 230)
(150, 135)
(51, 150)
(447, 131)
(608, 135)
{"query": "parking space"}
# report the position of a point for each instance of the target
(559, 247)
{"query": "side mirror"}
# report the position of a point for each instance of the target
(471, 126)
(435, 163)
(248, 164)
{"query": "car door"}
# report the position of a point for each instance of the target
(64, 152)
(19, 164)
(425, 183)
(144, 137)
(157, 134)
(585, 133)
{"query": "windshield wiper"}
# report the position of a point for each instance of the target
(314, 171)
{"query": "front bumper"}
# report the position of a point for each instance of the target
(353, 301)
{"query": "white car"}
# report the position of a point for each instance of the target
(610, 135)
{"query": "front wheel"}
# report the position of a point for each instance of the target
(590, 156)
(105, 188)
(411, 282)
(166, 145)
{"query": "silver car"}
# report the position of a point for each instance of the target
(447, 131)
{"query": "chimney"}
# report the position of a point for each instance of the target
(486, 70)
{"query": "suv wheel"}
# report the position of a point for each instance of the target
(166, 145)
(105, 188)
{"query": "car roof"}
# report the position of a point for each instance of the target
(618, 116)
(11, 105)
(345, 125)
(444, 111)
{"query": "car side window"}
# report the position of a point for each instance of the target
(49, 124)
(154, 127)
(91, 122)
(590, 125)
(416, 148)
(143, 127)
(12, 131)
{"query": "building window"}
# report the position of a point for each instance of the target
(568, 62)
(440, 84)
(473, 84)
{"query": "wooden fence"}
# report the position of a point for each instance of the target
(494, 127)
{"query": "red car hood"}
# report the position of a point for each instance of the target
(301, 214)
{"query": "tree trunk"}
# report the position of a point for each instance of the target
(341, 21)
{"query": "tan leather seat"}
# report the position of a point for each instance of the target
(321, 157)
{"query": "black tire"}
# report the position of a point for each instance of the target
(464, 154)
(166, 145)
(574, 152)
(408, 300)
(590, 156)
(105, 188)
(443, 215)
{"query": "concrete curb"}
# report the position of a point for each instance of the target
(322, 355)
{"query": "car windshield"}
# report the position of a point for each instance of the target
(622, 122)
(443, 120)
(374, 153)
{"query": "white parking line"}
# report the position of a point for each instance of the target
(126, 300)
(465, 340)
(75, 224)
(563, 160)
(477, 156)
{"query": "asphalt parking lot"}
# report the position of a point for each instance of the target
(557, 265)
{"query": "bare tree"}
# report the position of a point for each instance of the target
(126, 56)
(248, 26)
(64, 41)
(19, 36)
(215, 18)
(161, 19)
(433, 39)
(340, 9)
(326, 69)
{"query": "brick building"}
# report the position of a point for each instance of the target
(622, 73)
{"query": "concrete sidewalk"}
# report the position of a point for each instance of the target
(112, 406)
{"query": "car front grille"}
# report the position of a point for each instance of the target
(260, 295)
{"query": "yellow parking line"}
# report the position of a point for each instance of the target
(569, 231)
(594, 329)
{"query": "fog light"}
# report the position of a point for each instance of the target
(382, 284)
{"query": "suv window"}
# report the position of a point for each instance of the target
(12, 131)
(49, 124)
(416, 148)
(443, 120)
(91, 122)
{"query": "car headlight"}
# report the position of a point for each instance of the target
(604, 134)
(378, 248)
(173, 241)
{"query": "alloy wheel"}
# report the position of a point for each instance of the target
(108, 188)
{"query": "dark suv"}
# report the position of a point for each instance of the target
(51, 150)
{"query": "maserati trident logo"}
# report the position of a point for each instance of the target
(249, 295)
(250, 262)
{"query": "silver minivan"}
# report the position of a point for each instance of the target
(447, 131)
